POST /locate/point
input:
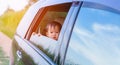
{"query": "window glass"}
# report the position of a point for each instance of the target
(47, 28)
(95, 38)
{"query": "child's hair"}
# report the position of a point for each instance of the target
(52, 24)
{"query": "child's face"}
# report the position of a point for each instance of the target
(53, 32)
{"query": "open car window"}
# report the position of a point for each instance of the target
(55, 13)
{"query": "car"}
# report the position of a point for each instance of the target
(90, 33)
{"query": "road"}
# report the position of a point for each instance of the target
(5, 44)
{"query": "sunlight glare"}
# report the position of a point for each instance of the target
(3, 6)
(17, 4)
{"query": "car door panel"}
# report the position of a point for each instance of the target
(26, 54)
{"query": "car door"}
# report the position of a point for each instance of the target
(95, 38)
(25, 54)
(28, 50)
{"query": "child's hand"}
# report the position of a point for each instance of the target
(39, 34)
(34, 33)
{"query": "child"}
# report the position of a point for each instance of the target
(51, 33)
(52, 30)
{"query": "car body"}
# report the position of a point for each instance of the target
(90, 33)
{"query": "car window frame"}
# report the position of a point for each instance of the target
(66, 32)
(34, 21)
(32, 28)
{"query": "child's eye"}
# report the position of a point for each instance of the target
(51, 32)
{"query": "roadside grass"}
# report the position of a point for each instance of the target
(4, 60)
(9, 22)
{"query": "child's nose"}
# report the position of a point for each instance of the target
(54, 33)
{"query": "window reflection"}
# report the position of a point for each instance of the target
(44, 42)
(95, 39)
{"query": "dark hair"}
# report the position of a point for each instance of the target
(52, 24)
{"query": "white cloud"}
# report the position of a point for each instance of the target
(110, 27)
(100, 50)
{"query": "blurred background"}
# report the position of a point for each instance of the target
(11, 12)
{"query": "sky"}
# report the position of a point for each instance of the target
(16, 5)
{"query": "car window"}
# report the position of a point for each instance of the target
(54, 16)
(95, 39)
